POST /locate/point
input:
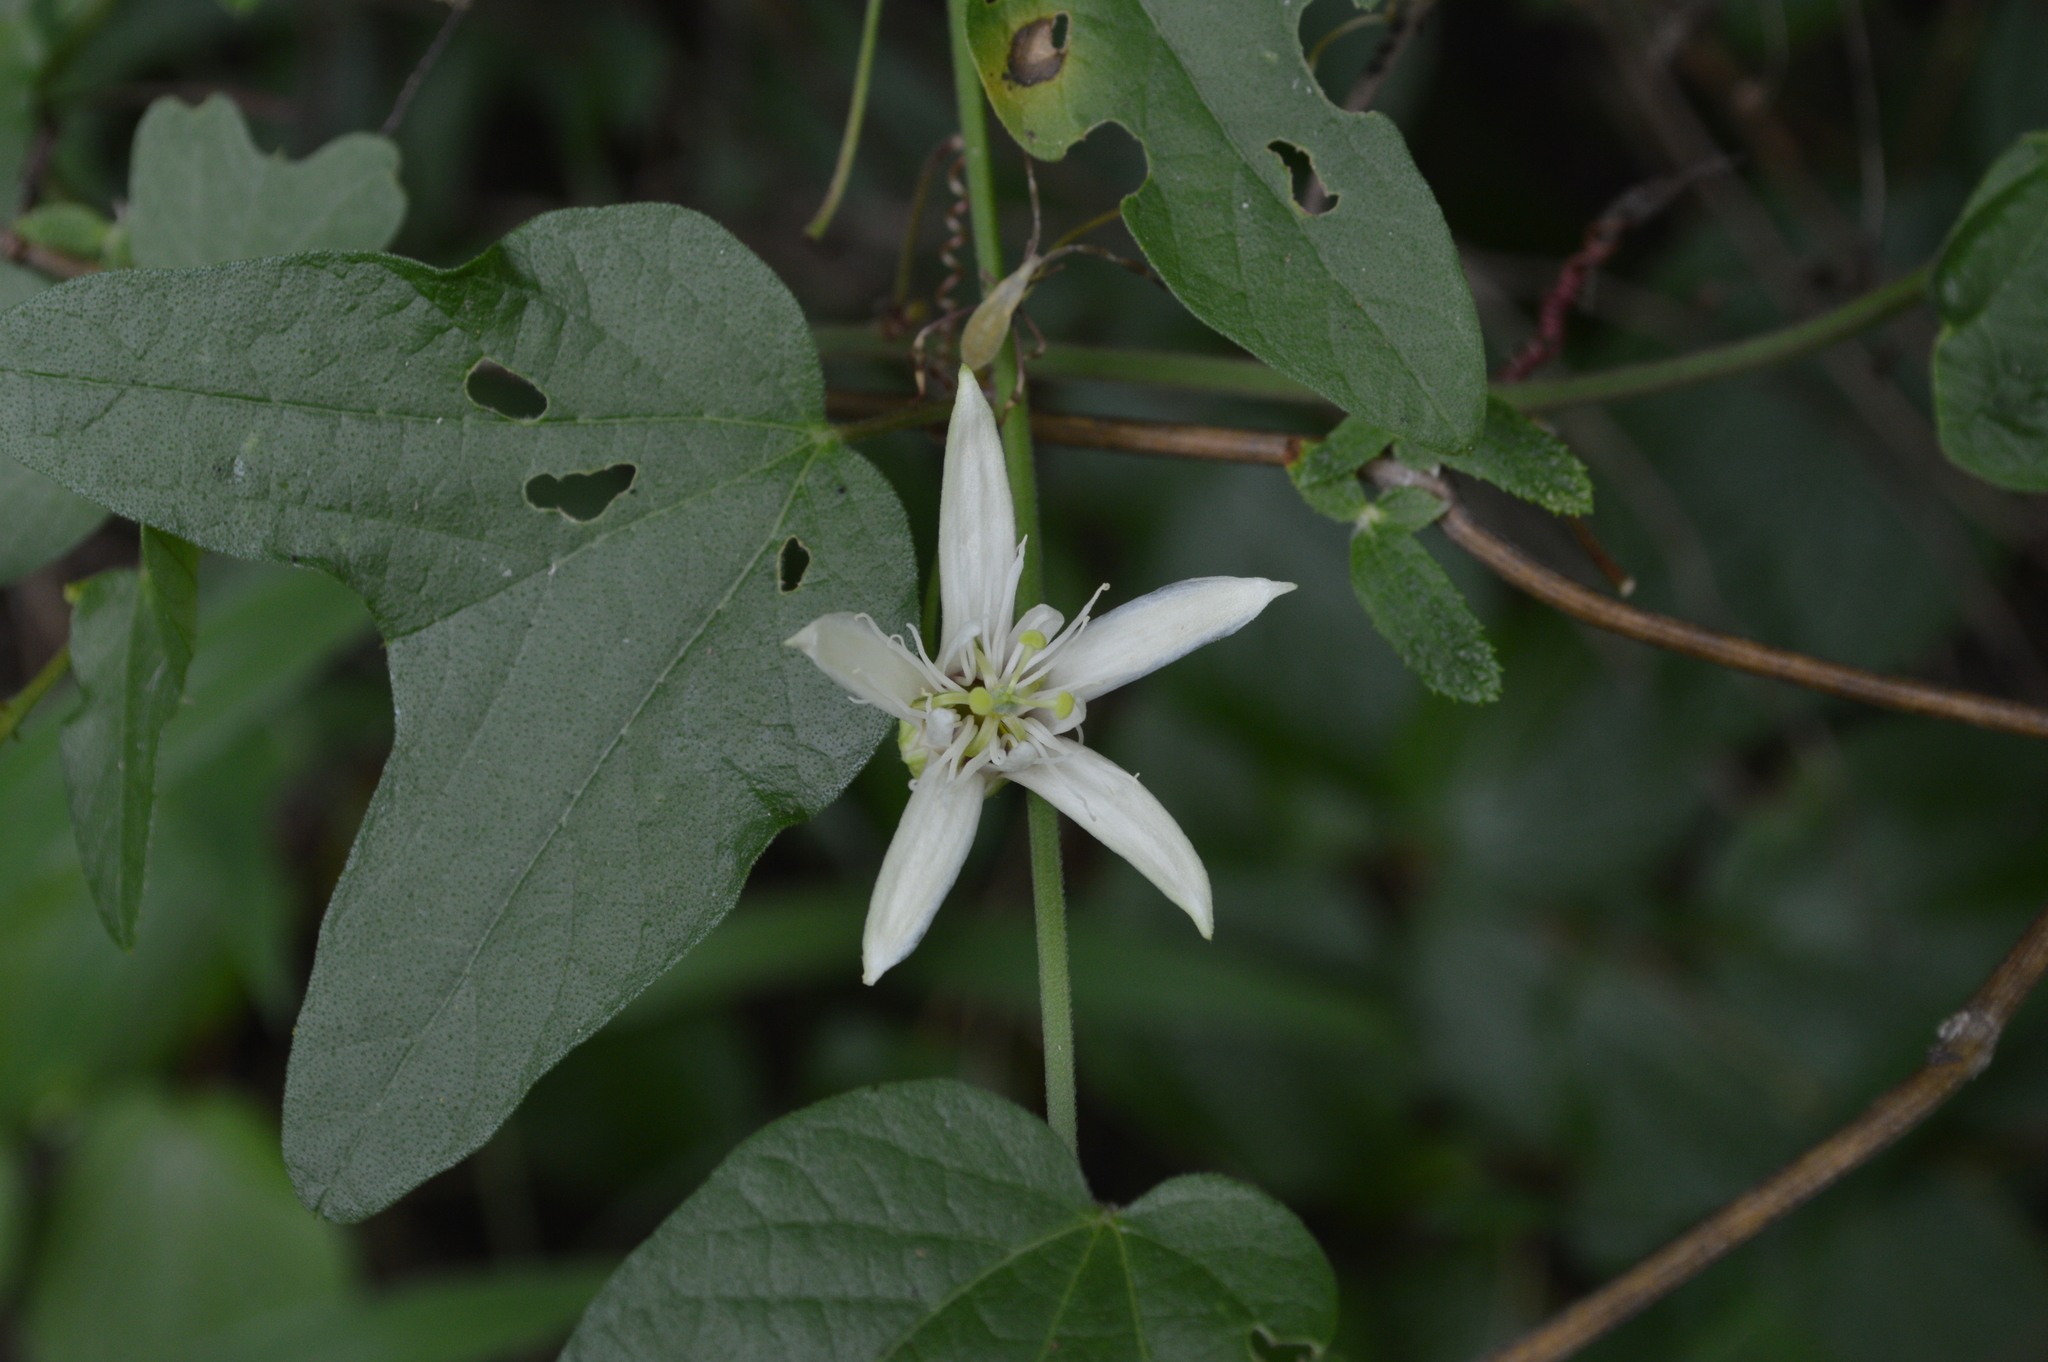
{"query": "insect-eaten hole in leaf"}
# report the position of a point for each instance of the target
(1309, 194)
(1265, 1348)
(791, 564)
(1038, 50)
(580, 496)
(497, 389)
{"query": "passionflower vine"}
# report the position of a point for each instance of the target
(1003, 698)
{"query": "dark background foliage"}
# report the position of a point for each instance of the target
(1499, 998)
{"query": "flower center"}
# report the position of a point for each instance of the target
(987, 714)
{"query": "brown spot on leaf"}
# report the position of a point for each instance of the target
(1038, 50)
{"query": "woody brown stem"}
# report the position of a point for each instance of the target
(1963, 1048)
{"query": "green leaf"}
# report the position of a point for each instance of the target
(1326, 474)
(40, 521)
(514, 1312)
(76, 1013)
(71, 228)
(200, 193)
(931, 1220)
(1991, 359)
(131, 640)
(14, 1214)
(1521, 458)
(1413, 604)
(598, 728)
(1365, 303)
(172, 1221)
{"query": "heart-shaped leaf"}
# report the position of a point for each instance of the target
(1349, 284)
(933, 1221)
(598, 728)
(1991, 360)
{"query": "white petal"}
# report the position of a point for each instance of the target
(923, 861)
(977, 526)
(1122, 814)
(867, 665)
(1146, 634)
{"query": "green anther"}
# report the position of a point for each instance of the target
(981, 702)
(1032, 639)
(981, 739)
(1063, 704)
(908, 746)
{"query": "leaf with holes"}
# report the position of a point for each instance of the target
(1991, 361)
(131, 640)
(933, 1221)
(598, 728)
(1414, 605)
(1348, 283)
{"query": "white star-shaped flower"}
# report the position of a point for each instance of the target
(1003, 700)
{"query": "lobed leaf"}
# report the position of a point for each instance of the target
(1991, 359)
(200, 193)
(1362, 299)
(131, 641)
(934, 1221)
(598, 729)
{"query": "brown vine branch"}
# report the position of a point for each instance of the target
(1727, 650)
(1963, 1048)
(873, 413)
(1603, 238)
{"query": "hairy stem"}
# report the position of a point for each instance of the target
(1963, 1048)
(1721, 361)
(863, 68)
(1048, 893)
(17, 709)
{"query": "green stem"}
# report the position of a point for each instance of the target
(1048, 894)
(1055, 992)
(1231, 377)
(863, 67)
(1219, 374)
(1773, 347)
(17, 709)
